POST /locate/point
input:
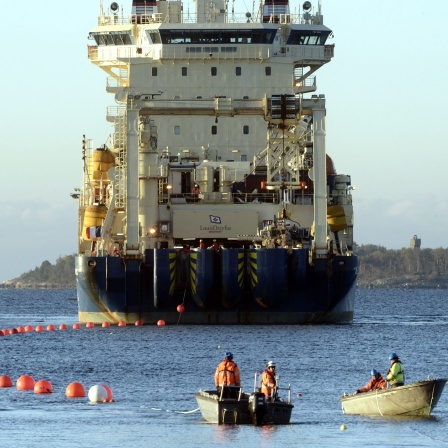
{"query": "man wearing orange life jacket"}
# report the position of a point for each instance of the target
(227, 372)
(376, 383)
(268, 382)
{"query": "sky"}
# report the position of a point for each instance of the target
(386, 120)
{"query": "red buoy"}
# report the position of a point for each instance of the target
(13, 331)
(75, 390)
(180, 308)
(50, 327)
(1, 333)
(29, 328)
(25, 382)
(106, 325)
(43, 387)
(161, 323)
(76, 326)
(20, 330)
(122, 323)
(109, 392)
(90, 325)
(62, 327)
(138, 323)
(5, 381)
(39, 328)
(5, 332)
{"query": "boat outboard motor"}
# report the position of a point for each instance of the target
(257, 407)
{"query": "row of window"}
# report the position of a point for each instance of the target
(264, 37)
(258, 36)
(214, 130)
(213, 71)
(296, 37)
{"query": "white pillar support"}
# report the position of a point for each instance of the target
(132, 150)
(320, 179)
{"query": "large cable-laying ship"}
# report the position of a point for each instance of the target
(214, 201)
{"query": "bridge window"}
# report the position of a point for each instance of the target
(238, 71)
(245, 129)
(214, 130)
(301, 37)
(214, 71)
(176, 130)
(153, 71)
(184, 71)
(113, 38)
(267, 71)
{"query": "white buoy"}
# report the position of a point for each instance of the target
(343, 427)
(97, 394)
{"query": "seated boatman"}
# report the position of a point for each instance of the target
(227, 374)
(376, 383)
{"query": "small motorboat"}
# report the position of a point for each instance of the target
(416, 399)
(230, 405)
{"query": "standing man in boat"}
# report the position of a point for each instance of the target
(268, 381)
(395, 374)
(376, 383)
(227, 373)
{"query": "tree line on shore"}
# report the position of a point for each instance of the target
(378, 267)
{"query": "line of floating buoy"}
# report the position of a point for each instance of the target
(99, 393)
(75, 326)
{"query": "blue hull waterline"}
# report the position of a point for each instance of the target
(230, 287)
(213, 200)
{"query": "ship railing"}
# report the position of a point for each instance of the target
(187, 17)
(120, 54)
(271, 197)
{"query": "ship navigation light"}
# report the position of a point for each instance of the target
(306, 6)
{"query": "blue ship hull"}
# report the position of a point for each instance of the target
(233, 286)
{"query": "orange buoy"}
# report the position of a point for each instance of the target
(62, 327)
(50, 327)
(76, 326)
(5, 381)
(122, 323)
(161, 323)
(110, 395)
(39, 328)
(13, 331)
(43, 387)
(5, 332)
(138, 323)
(29, 328)
(20, 329)
(180, 308)
(106, 324)
(25, 382)
(75, 390)
(90, 325)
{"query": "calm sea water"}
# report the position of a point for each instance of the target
(154, 372)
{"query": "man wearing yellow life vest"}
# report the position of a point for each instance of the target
(227, 372)
(268, 382)
(395, 374)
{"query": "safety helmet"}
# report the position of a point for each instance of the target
(270, 364)
(374, 372)
(229, 355)
(393, 356)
